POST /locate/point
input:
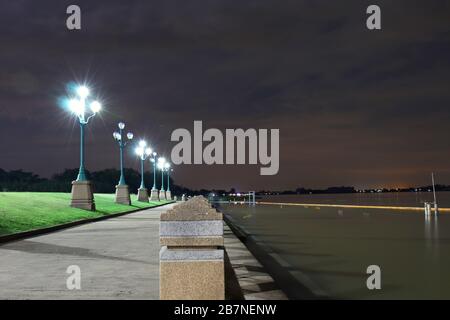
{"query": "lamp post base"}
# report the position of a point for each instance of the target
(162, 195)
(143, 194)
(168, 195)
(123, 194)
(82, 195)
(154, 195)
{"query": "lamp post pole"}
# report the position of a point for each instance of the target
(143, 152)
(82, 195)
(168, 179)
(168, 193)
(142, 172)
(162, 179)
(154, 194)
(122, 190)
(81, 172)
(121, 146)
(154, 170)
(161, 166)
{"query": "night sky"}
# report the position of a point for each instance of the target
(354, 107)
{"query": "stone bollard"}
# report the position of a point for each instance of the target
(123, 194)
(82, 195)
(183, 197)
(154, 195)
(192, 254)
(143, 194)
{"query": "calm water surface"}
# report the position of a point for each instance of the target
(329, 249)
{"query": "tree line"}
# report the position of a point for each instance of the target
(104, 181)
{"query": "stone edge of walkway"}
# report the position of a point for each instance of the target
(37, 232)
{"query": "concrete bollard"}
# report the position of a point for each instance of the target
(123, 195)
(192, 254)
(143, 194)
(82, 195)
(154, 195)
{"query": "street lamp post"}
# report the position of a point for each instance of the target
(143, 152)
(161, 166)
(154, 195)
(168, 193)
(82, 193)
(122, 190)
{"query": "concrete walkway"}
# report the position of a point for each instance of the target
(118, 258)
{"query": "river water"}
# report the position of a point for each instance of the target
(328, 250)
(411, 199)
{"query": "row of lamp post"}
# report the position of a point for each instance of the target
(143, 152)
(82, 191)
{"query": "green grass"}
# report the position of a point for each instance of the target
(23, 211)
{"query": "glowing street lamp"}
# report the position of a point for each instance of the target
(82, 195)
(161, 166)
(154, 196)
(143, 152)
(122, 191)
(78, 107)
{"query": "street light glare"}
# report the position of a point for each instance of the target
(139, 151)
(121, 125)
(96, 106)
(129, 135)
(161, 160)
(167, 165)
(76, 106)
(142, 144)
(117, 136)
(83, 91)
(148, 151)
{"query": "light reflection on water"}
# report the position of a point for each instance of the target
(432, 236)
(331, 248)
(412, 199)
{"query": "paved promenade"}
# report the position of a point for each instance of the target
(118, 258)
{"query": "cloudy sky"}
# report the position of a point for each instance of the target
(354, 107)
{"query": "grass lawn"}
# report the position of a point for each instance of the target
(23, 211)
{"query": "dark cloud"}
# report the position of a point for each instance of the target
(353, 106)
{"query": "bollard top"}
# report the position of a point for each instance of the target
(196, 208)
